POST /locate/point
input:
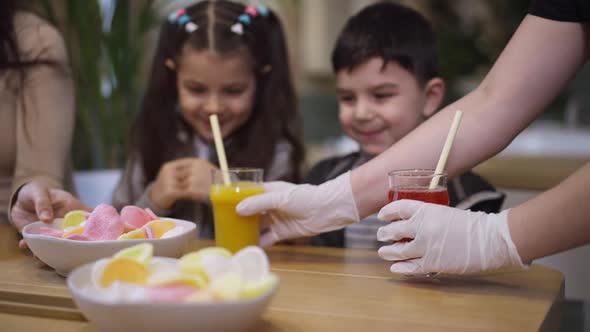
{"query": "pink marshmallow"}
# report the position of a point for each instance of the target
(78, 237)
(53, 232)
(149, 232)
(170, 293)
(104, 224)
(152, 214)
(135, 216)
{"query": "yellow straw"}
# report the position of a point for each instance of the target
(219, 148)
(444, 155)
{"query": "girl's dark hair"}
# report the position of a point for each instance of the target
(391, 32)
(274, 116)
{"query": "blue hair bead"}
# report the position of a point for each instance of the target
(172, 18)
(245, 18)
(183, 19)
(262, 10)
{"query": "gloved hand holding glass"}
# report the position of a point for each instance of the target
(445, 239)
(294, 211)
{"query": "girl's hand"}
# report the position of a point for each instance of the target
(182, 179)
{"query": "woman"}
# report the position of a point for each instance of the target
(549, 47)
(36, 119)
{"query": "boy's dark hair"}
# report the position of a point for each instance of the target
(391, 32)
(274, 115)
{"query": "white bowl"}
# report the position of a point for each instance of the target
(64, 255)
(224, 316)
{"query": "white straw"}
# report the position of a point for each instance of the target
(444, 155)
(219, 148)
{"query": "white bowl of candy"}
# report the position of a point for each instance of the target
(206, 290)
(82, 237)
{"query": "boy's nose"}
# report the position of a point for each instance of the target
(362, 111)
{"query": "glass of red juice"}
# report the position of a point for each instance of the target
(415, 184)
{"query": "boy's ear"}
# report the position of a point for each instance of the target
(434, 91)
(170, 64)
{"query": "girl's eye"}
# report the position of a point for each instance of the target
(196, 89)
(234, 91)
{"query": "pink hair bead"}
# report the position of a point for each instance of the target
(252, 11)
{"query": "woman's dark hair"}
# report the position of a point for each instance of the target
(274, 116)
(391, 32)
(10, 58)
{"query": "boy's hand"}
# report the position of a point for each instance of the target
(37, 202)
(182, 179)
(294, 211)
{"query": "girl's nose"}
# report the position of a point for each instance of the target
(213, 105)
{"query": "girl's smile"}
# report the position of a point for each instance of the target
(210, 83)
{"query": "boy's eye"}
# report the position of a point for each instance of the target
(346, 98)
(382, 96)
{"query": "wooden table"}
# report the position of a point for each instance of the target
(320, 289)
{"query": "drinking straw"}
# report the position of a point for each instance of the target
(444, 155)
(219, 148)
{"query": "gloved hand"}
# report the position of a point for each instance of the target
(445, 239)
(302, 210)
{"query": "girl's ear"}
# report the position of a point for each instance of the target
(170, 64)
(434, 91)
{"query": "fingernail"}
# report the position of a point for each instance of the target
(45, 215)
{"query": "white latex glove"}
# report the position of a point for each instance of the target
(445, 239)
(294, 211)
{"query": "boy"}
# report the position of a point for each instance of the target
(387, 83)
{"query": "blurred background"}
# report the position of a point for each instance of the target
(111, 44)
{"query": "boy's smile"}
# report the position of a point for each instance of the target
(378, 105)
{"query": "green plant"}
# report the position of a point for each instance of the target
(106, 43)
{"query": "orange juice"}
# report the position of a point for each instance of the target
(233, 231)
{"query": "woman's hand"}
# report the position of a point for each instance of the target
(445, 239)
(294, 211)
(35, 202)
(182, 179)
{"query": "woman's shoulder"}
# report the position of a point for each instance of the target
(37, 39)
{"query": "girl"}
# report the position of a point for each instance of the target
(215, 57)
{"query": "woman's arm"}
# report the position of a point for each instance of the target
(554, 221)
(45, 115)
(541, 57)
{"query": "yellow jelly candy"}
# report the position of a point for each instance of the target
(73, 219)
(227, 287)
(141, 253)
(176, 279)
(124, 270)
(75, 230)
(133, 235)
(253, 290)
(160, 227)
(203, 295)
(191, 262)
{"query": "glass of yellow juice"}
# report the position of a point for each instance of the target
(233, 231)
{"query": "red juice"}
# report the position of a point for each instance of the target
(437, 196)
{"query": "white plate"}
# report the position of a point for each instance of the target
(227, 316)
(64, 255)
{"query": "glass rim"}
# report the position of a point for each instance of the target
(239, 170)
(416, 172)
